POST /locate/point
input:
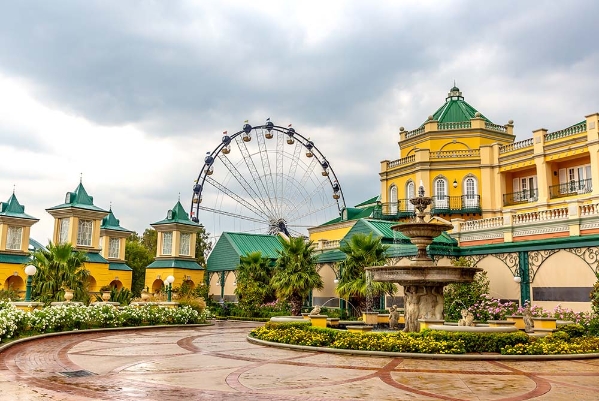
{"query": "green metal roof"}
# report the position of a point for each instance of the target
(231, 246)
(78, 199)
(177, 215)
(176, 263)
(15, 259)
(455, 109)
(353, 213)
(95, 258)
(119, 266)
(370, 201)
(34, 245)
(382, 229)
(12, 208)
(112, 223)
(334, 255)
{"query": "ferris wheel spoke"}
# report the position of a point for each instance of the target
(235, 215)
(302, 184)
(311, 212)
(249, 162)
(291, 215)
(236, 197)
(270, 186)
(297, 233)
(279, 173)
(244, 184)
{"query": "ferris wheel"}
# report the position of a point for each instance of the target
(265, 179)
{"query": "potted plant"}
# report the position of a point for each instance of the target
(106, 292)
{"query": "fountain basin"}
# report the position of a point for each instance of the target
(423, 275)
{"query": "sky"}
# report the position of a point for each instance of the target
(129, 95)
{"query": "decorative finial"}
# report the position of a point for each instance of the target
(179, 199)
(80, 178)
(454, 83)
(14, 188)
(110, 208)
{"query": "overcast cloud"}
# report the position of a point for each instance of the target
(133, 93)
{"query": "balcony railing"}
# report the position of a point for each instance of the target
(571, 188)
(525, 196)
(456, 204)
(394, 210)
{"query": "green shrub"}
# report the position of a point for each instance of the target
(477, 342)
(573, 330)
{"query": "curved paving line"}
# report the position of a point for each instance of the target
(464, 357)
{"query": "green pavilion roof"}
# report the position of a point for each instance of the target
(119, 266)
(175, 263)
(382, 229)
(78, 199)
(176, 215)
(231, 246)
(12, 208)
(455, 109)
(112, 223)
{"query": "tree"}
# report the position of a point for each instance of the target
(138, 257)
(362, 251)
(59, 267)
(460, 296)
(253, 282)
(149, 240)
(295, 273)
(203, 246)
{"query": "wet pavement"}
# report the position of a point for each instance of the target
(217, 363)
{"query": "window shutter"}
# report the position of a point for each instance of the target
(562, 176)
(516, 185)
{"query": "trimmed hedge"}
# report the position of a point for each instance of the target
(428, 341)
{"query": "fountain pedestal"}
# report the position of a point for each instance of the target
(422, 280)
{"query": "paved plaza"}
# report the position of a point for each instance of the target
(217, 363)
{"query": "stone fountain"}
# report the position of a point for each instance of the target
(423, 281)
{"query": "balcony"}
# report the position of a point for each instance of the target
(456, 204)
(571, 188)
(394, 210)
(517, 198)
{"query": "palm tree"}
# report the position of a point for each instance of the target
(295, 273)
(253, 282)
(362, 251)
(59, 267)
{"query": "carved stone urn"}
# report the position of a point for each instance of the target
(106, 296)
(68, 295)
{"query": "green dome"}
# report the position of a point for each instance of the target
(456, 109)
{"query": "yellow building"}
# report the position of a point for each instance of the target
(79, 222)
(526, 212)
(15, 225)
(113, 239)
(175, 251)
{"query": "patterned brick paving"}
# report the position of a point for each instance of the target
(217, 363)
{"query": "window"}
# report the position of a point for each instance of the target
(14, 238)
(184, 245)
(84, 233)
(441, 198)
(167, 243)
(114, 246)
(525, 189)
(410, 194)
(63, 231)
(471, 192)
(393, 199)
(576, 179)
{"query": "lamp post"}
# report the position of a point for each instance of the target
(169, 287)
(30, 270)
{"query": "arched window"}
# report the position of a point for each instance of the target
(470, 192)
(441, 198)
(410, 194)
(393, 199)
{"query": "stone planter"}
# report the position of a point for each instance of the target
(68, 295)
(306, 315)
(145, 296)
(518, 321)
(333, 322)
(544, 323)
(28, 306)
(426, 323)
(319, 320)
(382, 318)
(370, 318)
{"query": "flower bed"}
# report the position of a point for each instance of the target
(427, 341)
(17, 323)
